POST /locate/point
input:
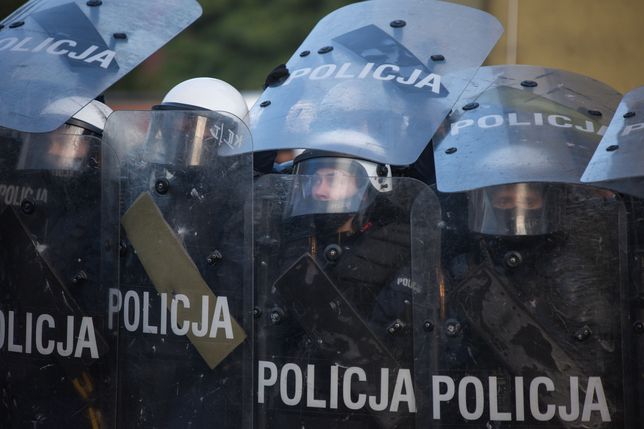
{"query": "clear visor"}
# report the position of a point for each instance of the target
(65, 149)
(190, 138)
(328, 186)
(517, 209)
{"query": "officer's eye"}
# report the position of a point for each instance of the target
(504, 202)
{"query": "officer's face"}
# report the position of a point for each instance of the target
(330, 184)
(519, 196)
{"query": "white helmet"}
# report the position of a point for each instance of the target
(205, 93)
(66, 149)
(90, 116)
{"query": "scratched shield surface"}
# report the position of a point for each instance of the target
(534, 330)
(340, 321)
(181, 302)
(50, 49)
(57, 357)
(374, 79)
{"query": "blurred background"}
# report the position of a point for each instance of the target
(241, 41)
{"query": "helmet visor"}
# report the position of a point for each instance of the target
(328, 186)
(190, 138)
(517, 209)
(65, 149)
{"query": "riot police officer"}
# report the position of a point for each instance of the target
(337, 293)
(616, 165)
(190, 370)
(50, 183)
(530, 256)
(346, 228)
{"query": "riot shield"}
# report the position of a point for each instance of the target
(617, 160)
(57, 356)
(337, 326)
(532, 330)
(183, 295)
(522, 124)
(374, 79)
(50, 49)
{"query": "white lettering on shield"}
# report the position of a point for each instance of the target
(526, 120)
(392, 390)
(162, 313)
(30, 333)
(12, 195)
(59, 47)
(385, 72)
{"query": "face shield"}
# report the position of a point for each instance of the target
(521, 209)
(329, 186)
(64, 151)
(191, 138)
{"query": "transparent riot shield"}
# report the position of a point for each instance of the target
(532, 330)
(336, 320)
(51, 49)
(57, 356)
(522, 124)
(616, 163)
(182, 303)
(394, 70)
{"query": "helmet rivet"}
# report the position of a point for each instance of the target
(629, 115)
(257, 312)
(398, 23)
(428, 326)
(325, 50)
(437, 57)
(612, 148)
(265, 103)
(27, 206)
(594, 112)
(529, 83)
(16, 24)
(161, 186)
(638, 327)
(471, 106)
(120, 36)
(304, 53)
(450, 150)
